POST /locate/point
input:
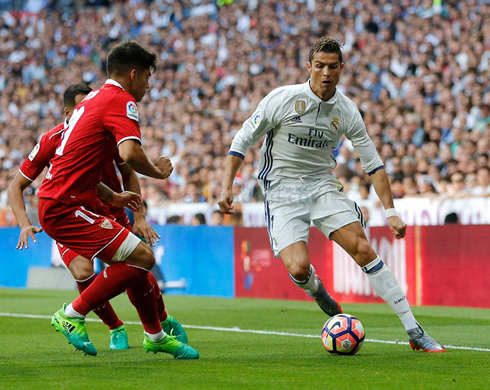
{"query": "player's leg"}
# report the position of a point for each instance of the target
(127, 271)
(129, 262)
(296, 260)
(94, 235)
(91, 235)
(142, 293)
(288, 225)
(162, 312)
(353, 240)
(108, 284)
(129, 256)
(169, 324)
(82, 270)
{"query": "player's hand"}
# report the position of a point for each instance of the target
(397, 226)
(165, 165)
(225, 202)
(25, 233)
(143, 229)
(131, 200)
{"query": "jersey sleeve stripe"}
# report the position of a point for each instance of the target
(237, 154)
(52, 135)
(28, 178)
(126, 138)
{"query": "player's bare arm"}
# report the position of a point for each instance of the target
(18, 206)
(225, 201)
(128, 199)
(141, 227)
(382, 186)
(132, 152)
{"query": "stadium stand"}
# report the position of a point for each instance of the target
(424, 95)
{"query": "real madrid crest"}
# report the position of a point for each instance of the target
(335, 124)
(300, 106)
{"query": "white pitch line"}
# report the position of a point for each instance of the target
(239, 330)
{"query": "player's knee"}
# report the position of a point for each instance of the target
(146, 257)
(142, 256)
(364, 253)
(299, 271)
(81, 268)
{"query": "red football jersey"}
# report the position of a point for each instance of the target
(104, 119)
(110, 179)
(109, 174)
(42, 153)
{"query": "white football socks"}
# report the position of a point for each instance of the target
(70, 312)
(310, 284)
(156, 337)
(388, 288)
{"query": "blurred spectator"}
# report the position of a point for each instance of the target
(425, 186)
(482, 187)
(175, 219)
(192, 194)
(451, 219)
(216, 218)
(236, 219)
(457, 187)
(397, 189)
(198, 219)
(424, 96)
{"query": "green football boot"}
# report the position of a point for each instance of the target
(171, 345)
(119, 338)
(74, 330)
(172, 327)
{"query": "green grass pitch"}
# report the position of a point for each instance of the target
(34, 356)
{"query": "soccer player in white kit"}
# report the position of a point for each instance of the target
(303, 123)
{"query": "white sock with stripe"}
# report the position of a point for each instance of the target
(310, 284)
(387, 287)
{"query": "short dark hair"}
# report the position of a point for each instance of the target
(174, 219)
(200, 218)
(326, 45)
(451, 218)
(72, 91)
(130, 55)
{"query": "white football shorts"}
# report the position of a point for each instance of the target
(291, 206)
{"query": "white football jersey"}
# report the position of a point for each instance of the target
(301, 132)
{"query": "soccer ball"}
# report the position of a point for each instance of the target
(343, 334)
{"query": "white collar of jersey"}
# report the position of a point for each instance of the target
(114, 82)
(312, 95)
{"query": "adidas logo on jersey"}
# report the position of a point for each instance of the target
(296, 119)
(106, 224)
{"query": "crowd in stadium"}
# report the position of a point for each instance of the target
(418, 72)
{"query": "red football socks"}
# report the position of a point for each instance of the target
(108, 284)
(105, 311)
(142, 296)
(162, 313)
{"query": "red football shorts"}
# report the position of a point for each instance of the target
(120, 216)
(66, 254)
(83, 231)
